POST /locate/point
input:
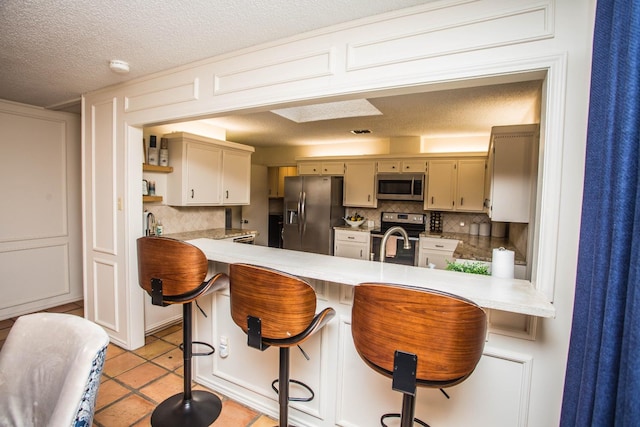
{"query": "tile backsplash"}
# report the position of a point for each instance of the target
(176, 219)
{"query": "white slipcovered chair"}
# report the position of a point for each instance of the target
(50, 368)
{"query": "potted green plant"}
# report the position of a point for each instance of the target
(469, 267)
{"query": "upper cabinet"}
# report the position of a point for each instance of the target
(512, 173)
(456, 185)
(321, 168)
(276, 175)
(360, 184)
(207, 172)
(397, 165)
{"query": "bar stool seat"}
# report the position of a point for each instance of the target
(275, 309)
(417, 337)
(173, 272)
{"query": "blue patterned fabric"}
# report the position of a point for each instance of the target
(602, 385)
(84, 416)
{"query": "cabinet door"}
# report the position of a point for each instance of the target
(202, 185)
(236, 177)
(332, 168)
(359, 184)
(352, 244)
(441, 186)
(470, 194)
(309, 168)
(513, 178)
(388, 166)
(273, 181)
(414, 166)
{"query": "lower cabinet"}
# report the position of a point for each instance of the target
(352, 244)
(435, 252)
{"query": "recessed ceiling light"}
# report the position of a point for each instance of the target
(118, 66)
(329, 110)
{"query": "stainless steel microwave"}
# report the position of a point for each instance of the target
(400, 186)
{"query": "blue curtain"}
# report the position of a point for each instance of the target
(602, 385)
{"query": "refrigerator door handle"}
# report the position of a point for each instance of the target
(303, 212)
(299, 213)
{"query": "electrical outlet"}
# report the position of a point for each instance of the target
(223, 348)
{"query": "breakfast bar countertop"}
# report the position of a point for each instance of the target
(211, 233)
(512, 295)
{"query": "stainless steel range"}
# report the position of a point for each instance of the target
(412, 223)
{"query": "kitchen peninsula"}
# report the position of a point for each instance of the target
(344, 386)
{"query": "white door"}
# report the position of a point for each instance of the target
(255, 215)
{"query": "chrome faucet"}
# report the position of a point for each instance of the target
(150, 224)
(392, 230)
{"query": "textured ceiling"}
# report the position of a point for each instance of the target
(52, 51)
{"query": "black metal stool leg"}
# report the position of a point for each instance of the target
(283, 392)
(194, 409)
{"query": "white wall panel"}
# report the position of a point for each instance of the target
(103, 177)
(186, 89)
(33, 180)
(105, 302)
(35, 273)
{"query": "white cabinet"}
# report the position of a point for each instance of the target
(398, 165)
(436, 251)
(359, 184)
(236, 177)
(207, 172)
(470, 187)
(321, 168)
(441, 185)
(456, 185)
(513, 173)
(352, 244)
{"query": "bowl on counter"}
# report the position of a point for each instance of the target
(355, 224)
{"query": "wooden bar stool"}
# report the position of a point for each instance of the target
(173, 272)
(418, 337)
(275, 309)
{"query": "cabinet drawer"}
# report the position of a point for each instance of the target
(389, 166)
(353, 236)
(434, 243)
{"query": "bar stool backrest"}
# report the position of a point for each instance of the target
(285, 304)
(445, 331)
(181, 266)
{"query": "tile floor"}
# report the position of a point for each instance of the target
(134, 382)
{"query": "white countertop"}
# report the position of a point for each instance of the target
(512, 295)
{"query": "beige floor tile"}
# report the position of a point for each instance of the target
(121, 363)
(145, 422)
(163, 388)
(141, 375)
(125, 412)
(154, 349)
(113, 350)
(233, 415)
(108, 392)
(171, 360)
(174, 338)
(264, 421)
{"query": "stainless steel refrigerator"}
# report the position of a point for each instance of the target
(312, 207)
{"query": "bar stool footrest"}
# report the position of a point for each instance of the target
(213, 350)
(295, 399)
(415, 420)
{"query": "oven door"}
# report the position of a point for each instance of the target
(403, 256)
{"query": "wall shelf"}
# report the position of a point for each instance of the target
(153, 168)
(146, 199)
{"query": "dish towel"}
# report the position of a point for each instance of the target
(392, 244)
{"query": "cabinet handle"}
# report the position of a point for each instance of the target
(368, 197)
(439, 246)
(350, 237)
(461, 201)
(431, 199)
(227, 192)
(192, 193)
(360, 253)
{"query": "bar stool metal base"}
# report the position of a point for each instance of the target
(200, 411)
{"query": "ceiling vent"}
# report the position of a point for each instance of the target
(360, 131)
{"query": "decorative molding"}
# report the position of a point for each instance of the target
(496, 29)
(105, 288)
(103, 156)
(292, 69)
(163, 96)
